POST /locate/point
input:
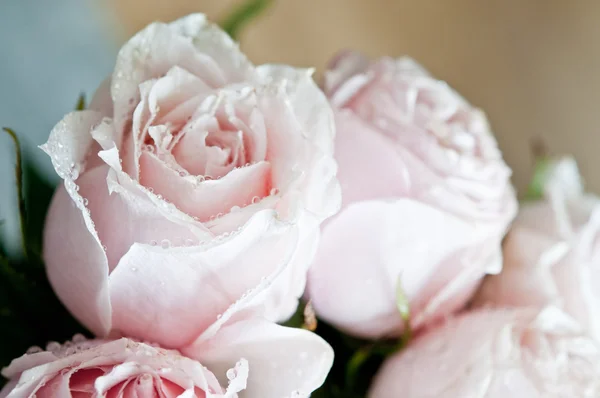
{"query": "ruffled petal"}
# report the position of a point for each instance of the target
(76, 264)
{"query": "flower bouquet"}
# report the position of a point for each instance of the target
(230, 230)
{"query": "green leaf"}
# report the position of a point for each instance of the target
(245, 13)
(80, 105)
(38, 192)
(19, 182)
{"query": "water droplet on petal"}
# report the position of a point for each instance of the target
(231, 374)
(85, 201)
(153, 243)
(274, 191)
(34, 350)
(234, 209)
(52, 346)
(165, 244)
(255, 199)
(78, 338)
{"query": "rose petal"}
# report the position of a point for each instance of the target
(282, 360)
(377, 153)
(77, 266)
(345, 70)
(191, 43)
(298, 164)
(202, 282)
(381, 254)
(208, 198)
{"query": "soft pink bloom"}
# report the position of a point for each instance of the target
(552, 253)
(426, 198)
(254, 357)
(119, 368)
(192, 178)
(524, 353)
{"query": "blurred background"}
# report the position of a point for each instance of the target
(532, 65)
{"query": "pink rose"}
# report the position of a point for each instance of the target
(552, 253)
(193, 178)
(125, 368)
(120, 368)
(496, 354)
(426, 199)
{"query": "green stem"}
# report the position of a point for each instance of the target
(246, 12)
(19, 178)
(355, 364)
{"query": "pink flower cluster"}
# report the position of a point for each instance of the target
(204, 197)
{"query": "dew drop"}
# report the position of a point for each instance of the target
(219, 316)
(274, 191)
(78, 338)
(219, 215)
(150, 148)
(234, 209)
(85, 201)
(153, 243)
(53, 346)
(231, 374)
(255, 199)
(165, 244)
(104, 247)
(183, 173)
(151, 190)
(34, 350)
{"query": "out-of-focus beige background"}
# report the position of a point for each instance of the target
(533, 65)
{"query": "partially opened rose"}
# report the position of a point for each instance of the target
(267, 361)
(426, 198)
(192, 177)
(552, 253)
(525, 353)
